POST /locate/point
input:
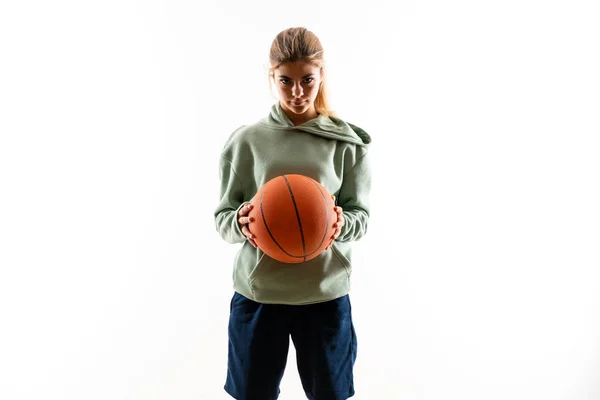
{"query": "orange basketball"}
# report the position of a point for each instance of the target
(293, 218)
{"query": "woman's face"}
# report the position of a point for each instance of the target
(298, 84)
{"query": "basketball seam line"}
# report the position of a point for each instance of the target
(297, 216)
(269, 231)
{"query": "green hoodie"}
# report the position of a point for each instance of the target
(327, 149)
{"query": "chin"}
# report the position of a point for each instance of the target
(299, 109)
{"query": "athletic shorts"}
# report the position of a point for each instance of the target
(323, 336)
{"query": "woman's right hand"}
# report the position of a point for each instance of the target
(243, 221)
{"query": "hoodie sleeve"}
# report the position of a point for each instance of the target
(231, 201)
(353, 197)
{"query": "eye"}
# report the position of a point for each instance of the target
(285, 81)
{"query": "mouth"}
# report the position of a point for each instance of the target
(298, 104)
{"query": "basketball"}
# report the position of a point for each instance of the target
(293, 217)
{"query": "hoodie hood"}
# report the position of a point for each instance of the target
(328, 127)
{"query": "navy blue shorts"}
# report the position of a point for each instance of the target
(323, 336)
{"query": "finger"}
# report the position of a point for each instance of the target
(253, 243)
(247, 232)
(333, 239)
(246, 209)
(336, 234)
(245, 220)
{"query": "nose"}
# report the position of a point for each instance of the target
(297, 90)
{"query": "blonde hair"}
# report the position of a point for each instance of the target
(300, 44)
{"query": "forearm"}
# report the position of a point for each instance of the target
(355, 225)
(226, 223)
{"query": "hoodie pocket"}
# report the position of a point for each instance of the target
(256, 270)
(324, 277)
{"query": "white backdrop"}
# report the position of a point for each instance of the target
(478, 279)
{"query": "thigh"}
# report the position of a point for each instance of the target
(258, 349)
(326, 344)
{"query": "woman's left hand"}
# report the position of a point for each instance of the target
(338, 225)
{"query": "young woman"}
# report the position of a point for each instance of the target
(309, 301)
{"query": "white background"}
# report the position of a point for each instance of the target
(479, 278)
